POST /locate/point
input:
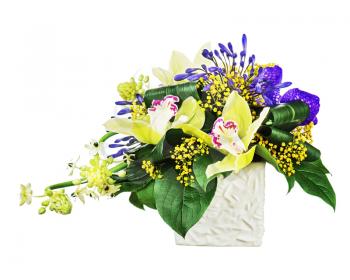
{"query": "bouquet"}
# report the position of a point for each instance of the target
(168, 146)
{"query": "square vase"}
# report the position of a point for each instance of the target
(235, 217)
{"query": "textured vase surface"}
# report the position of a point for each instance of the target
(235, 217)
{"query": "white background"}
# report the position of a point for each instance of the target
(60, 62)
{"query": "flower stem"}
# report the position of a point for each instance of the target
(106, 136)
(64, 184)
(119, 167)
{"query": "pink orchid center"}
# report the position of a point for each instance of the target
(225, 136)
(162, 111)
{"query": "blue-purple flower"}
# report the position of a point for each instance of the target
(311, 100)
(268, 84)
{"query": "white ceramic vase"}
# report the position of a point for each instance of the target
(235, 217)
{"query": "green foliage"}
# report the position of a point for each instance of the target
(146, 195)
(200, 165)
(288, 115)
(180, 207)
(312, 177)
(182, 91)
(277, 136)
(134, 200)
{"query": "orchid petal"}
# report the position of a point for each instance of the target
(190, 112)
(196, 132)
(237, 109)
(253, 128)
(164, 76)
(140, 129)
(161, 112)
(179, 63)
(199, 58)
(231, 163)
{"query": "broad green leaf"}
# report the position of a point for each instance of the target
(265, 154)
(146, 195)
(199, 167)
(180, 207)
(313, 181)
(237, 109)
(133, 199)
(318, 164)
(291, 182)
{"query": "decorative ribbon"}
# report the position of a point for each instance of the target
(289, 115)
(182, 91)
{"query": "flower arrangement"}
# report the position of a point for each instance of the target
(167, 146)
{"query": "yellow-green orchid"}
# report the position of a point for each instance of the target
(178, 64)
(231, 134)
(156, 123)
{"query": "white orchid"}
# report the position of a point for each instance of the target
(231, 134)
(153, 127)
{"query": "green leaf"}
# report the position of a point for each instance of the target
(180, 207)
(314, 181)
(161, 151)
(135, 179)
(291, 182)
(133, 199)
(199, 167)
(278, 136)
(266, 155)
(146, 195)
(182, 91)
(318, 164)
(209, 121)
(290, 114)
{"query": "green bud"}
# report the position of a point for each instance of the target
(146, 79)
(42, 210)
(48, 192)
(45, 203)
(141, 77)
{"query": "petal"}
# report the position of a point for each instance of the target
(190, 113)
(199, 59)
(140, 129)
(253, 128)
(196, 132)
(178, 63)
(164, 76)
(237, 110)
(231, 163)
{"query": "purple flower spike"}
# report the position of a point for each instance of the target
(124, 111)
(122, 102)
(180, 77)
(139, 98)
(311, 100)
